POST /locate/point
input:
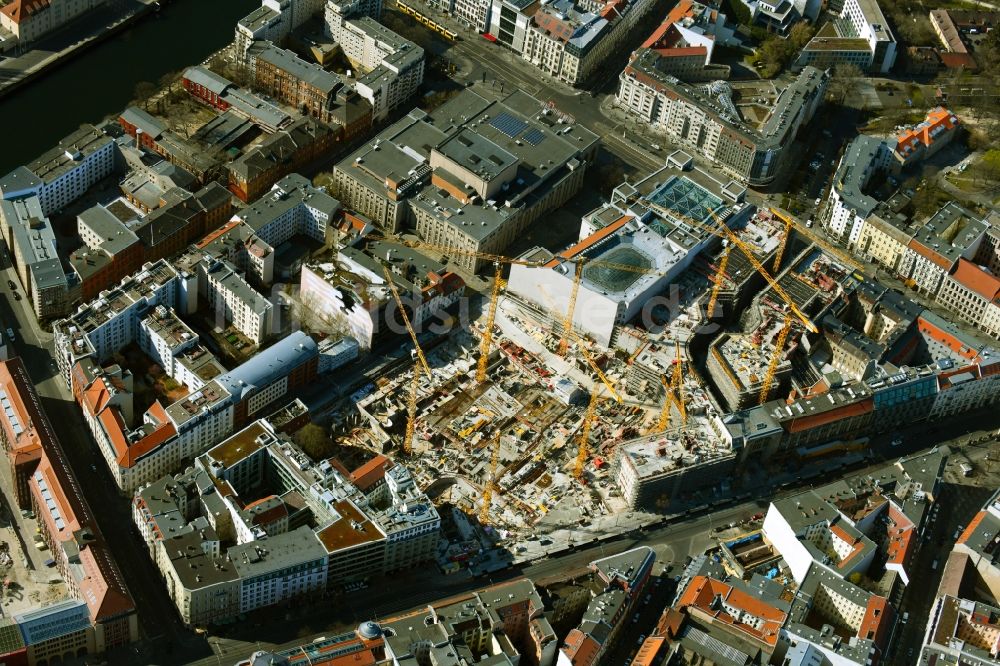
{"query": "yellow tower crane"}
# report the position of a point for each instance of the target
(491, 313)
(498, 284)
(722, 230)
(567, 323)
(679, 383)
(720, 278)
(491, 481)
(496, 258)
(601, 375)
(785, 237)
(772, 366)
(668, 390)
(411, 405)
(826, 246)
(584, 451)
(570, 309)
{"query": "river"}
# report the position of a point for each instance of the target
(101, 81)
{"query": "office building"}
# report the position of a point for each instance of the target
(861, 37)
(565, 39)
(704, 118)
(472, 184)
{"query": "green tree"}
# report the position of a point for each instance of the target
(314, 441)
(738, 12)
(800, 35)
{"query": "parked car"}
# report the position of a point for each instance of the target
(17, 296)
(10, 283)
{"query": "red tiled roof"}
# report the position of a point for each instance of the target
(847, 411)
(929, 254)
(18, 10)
(225, 228)
(683, 51)
(650, 650)
(958, 61)
(901, 537)
(923, 133)
(874, 625)
(702, 591)
(974, 278)
(371, 472)
(947, 339)
(973, 526)
(582, 649)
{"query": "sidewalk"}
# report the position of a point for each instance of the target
(64, 42)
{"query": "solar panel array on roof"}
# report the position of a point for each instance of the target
(508, 124)
(534, 136)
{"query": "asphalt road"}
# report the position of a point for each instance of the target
(159, 623)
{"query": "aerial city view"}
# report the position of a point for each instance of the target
(500, 332)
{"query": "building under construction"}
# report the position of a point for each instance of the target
(630, 250)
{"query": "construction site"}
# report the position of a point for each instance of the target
(542, 416)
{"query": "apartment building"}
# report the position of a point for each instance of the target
(624, 577)
(28, 20)
(952, 233)
(475, 185)
(965, 388)
(704, 118)
(825, 600)
(390, 68)
(62, 174)
(864, 158)
(116, 248)
(46, 485)
(273, 21)
(291, 207)
(139, 449)
(102, 327)
(306, 86)
(974, 295)
(473, 13)
(255, 550)
(233, 300)
(565, 39)
(256, 171)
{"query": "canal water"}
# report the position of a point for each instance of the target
(101, 81)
